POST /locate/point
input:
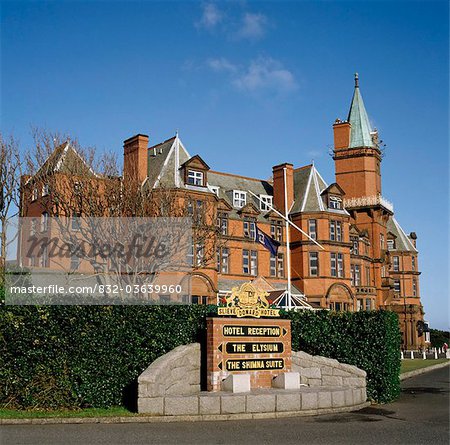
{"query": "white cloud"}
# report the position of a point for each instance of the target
(253, 26)
(211, 16)
(266, 73)
(221, 64)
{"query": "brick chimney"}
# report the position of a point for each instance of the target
(341, 134)
(278, 185)
(135, 158)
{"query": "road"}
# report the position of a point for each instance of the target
(420, 416)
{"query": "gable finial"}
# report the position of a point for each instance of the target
(356, 80)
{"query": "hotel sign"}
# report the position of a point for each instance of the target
(253, 348)
(259, 347)
(253, 365)
(247, 301)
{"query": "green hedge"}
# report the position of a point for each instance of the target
(368, 340)
(91, 356)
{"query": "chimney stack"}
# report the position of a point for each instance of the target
(278, 186)
(135, 158)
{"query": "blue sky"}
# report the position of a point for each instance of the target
(248, 85)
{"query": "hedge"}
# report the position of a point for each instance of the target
(369, 340)
(90, 356)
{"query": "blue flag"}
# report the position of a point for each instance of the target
(269, 243)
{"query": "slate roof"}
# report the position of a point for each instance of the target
(360, 134)
(228, 182)
(161, 162)
(308, 185)
(64, 159)
(402, 241)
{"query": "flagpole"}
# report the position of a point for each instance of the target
(288, 249)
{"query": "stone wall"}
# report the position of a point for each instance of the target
(170, 386)
(174, 373)
(315, 370)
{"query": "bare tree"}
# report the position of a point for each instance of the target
(10, 173)
(81, 186)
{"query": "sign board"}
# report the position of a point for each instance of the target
(248, 301)
(259, 347)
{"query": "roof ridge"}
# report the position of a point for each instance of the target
(304, 167)
(160, 143)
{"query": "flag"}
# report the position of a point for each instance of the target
(269, 243)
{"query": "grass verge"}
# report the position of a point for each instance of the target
(411, 365)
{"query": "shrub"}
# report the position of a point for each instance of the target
(368, 340)
(91, 356)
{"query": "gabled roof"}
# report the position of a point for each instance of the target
(308, 186)
(402, 242)
(64, 159)
(335, 189)
(360, 133)
(164, 160)
(197, 161)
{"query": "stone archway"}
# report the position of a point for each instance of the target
(340, 298)
(202, 289)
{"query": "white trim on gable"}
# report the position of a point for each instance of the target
(302, 209)
(317, 188)
(402, 233)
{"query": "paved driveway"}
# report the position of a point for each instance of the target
(420, 416)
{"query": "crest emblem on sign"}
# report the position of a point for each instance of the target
(248, 301)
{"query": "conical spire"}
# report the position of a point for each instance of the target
(360, 132)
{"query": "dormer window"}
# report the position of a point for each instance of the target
(45, 190)
(391, 244)
(195, 177)
(335, 202)
(239, 199)
(266, 203)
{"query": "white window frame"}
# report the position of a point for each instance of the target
(264, 200)
(45, 190)
(195, 177)
(223, 256)
(222, 223)
(396, 263)
(44, 222)
(239, 199)
(357, 275)
(335, 202)
(312, 228)
(340, 265)
(332, 230)
(273, 265)
(338, 231)
(250, 229)
(280, 265)
(34, 194)
(254, 262)
(313, 270)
